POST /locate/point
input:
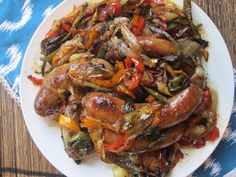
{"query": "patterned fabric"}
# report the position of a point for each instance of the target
(18, 21)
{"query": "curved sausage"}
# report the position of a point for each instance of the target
(109, 108)
(48, 97)
(178, 108)
(44, 101)
(157, 46)
(164, 139)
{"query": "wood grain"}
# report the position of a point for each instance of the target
(17, 150)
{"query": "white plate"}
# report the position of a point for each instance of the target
(48, 139)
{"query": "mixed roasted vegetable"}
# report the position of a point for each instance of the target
(125, 80)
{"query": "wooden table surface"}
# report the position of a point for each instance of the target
(19, 155)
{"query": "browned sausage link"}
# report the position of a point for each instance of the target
(47, 97)
(157, 46)
(109, 109)
(104, 107)
(58, 82)
(45, 100)
(178, 108)
(166, 138)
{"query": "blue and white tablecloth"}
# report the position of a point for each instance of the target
(18, 21)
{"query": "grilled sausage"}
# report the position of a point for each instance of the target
(157, 46)
(178, 108)
(108, 108)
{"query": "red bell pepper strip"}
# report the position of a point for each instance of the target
(114, 8)
(129, 61)
(161, 160)
(138, 23)
(52, 34)
(199, 143)
(214, 134)
(133, 81)
(66, 26)
(103, 15)
(116, 145)
(35, 80)
(185, 141)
